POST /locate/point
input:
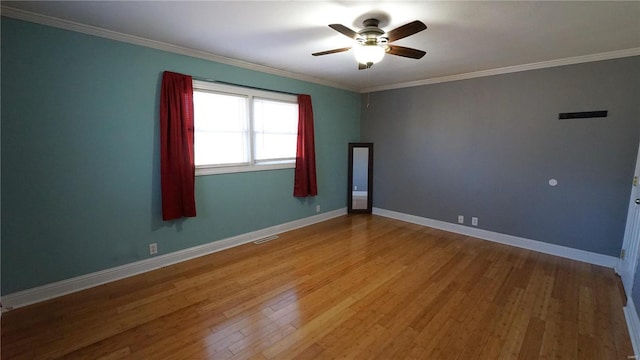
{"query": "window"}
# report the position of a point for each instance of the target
(242, 129)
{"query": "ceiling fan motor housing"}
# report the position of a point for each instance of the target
(371, 34)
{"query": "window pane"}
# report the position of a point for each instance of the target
(276, 146)
(220, 123)
(275, 128)
(214, 148)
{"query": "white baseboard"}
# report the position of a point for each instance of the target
(49, 291)
(626, 277)
(631, 316)
(539, 246)
(633, 324)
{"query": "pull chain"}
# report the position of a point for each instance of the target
(368, 85)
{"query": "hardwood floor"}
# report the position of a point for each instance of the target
(353, 287)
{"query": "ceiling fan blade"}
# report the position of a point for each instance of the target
(405, 51)
(331, 51)
(344, 30)
(405, 30)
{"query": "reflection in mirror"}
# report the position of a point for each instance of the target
(359, 190)
(360, 178)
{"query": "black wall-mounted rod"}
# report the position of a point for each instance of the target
(582, 115)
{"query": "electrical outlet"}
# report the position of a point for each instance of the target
(317, 208)
(474, 221)
(153, 249)
(460, 219)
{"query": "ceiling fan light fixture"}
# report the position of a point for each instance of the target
(371, 43)
(368, 54)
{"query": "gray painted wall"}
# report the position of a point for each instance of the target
(487, 147)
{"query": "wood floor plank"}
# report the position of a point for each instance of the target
(532, 341)
(354, 287)
(551, 339)
(480, 336)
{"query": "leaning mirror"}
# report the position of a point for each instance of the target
(360, 191)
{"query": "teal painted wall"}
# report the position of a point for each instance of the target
(80, 157)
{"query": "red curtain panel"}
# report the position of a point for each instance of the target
(305, 183)
(176, 146)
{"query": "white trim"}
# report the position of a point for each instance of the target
(626, 267)
(539, 246)
(117, 36)
(243, 91)
(214, 170)
(49, 291)
(511, 69)
(113, 35)
(250, 96)
(633, 325)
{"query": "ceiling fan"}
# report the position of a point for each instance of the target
(372, 42)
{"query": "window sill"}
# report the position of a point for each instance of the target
(214, 170)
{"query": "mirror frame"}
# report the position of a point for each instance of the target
(369, 208)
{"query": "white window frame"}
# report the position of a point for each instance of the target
(250, 94)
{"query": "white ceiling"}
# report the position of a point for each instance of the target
(462, 37)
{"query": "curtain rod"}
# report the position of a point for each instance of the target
(244, 86)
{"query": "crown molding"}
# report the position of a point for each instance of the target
(511, 69)
(117, 36)
(158, 45)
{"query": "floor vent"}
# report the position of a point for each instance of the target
(264, 240)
